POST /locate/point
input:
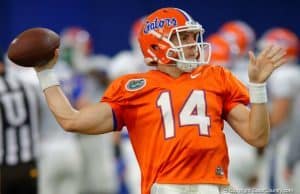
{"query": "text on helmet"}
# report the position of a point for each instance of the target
(159, 23)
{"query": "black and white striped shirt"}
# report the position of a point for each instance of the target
(19, 114)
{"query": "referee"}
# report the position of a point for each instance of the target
(19, 114)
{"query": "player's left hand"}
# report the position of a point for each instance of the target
(262, 66)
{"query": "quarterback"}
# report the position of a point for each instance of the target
(175, 113)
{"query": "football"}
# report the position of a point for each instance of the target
(33, 47)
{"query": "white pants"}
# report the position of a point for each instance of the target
(98, 170)
(59, 167)
(278, 152)
(132, 172)
(187, 189)
(295, 179)
(239, 175)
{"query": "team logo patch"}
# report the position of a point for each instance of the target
(135, 84)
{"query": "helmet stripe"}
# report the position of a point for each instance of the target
(186, 15)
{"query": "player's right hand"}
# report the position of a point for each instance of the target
(48, 65)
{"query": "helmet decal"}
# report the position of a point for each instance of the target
(159, 23)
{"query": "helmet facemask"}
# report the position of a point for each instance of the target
(176, 52)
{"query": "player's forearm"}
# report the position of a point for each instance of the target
(259, 124)
(92, 119)
(61, 108)
(58, 103)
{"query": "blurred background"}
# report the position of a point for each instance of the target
(108, 21)
(98, 44)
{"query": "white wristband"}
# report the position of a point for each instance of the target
(47, 78)
(258, 93)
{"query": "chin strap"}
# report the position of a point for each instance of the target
(186, 67)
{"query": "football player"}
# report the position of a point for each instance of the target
(70, 163)
(175, 113)
(284, 90)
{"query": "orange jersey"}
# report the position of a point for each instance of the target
(176, 125)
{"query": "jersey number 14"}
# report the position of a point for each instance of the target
(193, 112)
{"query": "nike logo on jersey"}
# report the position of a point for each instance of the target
(195, 75)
